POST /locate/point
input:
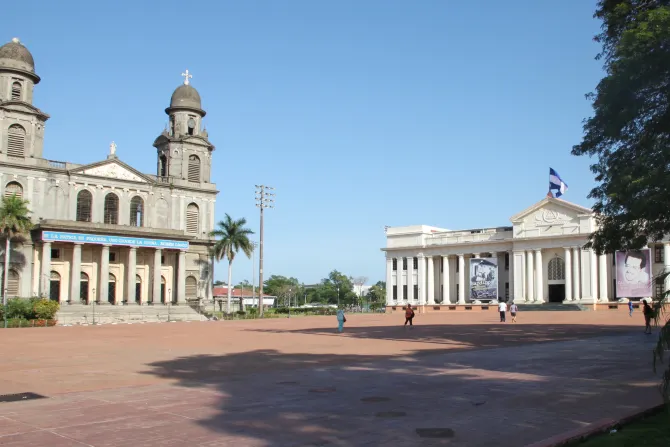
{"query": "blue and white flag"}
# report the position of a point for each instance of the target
(555, 183)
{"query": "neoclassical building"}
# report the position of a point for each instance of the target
(105, 231)
(540, 259)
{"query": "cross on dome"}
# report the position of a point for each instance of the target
(16, 40)
(186, 76)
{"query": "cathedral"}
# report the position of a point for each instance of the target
(105, 232)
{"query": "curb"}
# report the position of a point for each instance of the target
(596, 428)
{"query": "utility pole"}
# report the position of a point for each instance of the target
(264, 199)
(254, 244)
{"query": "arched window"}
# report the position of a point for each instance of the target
(192, 215)
(14, 189)
(193, 168)
(191, 288)
(83, 287)
(137, 212)
(54, 286)
(16, 91)
(556, 270)
(138, 288)
(111, 294)
(84, 206)
(162, 166)
(16, 141)
(111, 209)
(12, 283)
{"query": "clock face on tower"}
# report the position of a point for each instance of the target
(191, 123)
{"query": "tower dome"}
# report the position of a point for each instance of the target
(15, 56)
(185, 96)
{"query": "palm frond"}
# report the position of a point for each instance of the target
(232, 236)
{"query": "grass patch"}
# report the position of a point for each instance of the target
(653, 431)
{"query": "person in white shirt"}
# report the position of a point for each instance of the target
(513, 309)
(502, 308)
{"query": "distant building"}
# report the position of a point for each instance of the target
(249, 300)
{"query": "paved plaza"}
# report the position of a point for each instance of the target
(296, 382)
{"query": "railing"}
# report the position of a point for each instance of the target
(465, 237)
(56, 164)
(166, 180)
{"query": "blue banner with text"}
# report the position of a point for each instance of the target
(56, 236)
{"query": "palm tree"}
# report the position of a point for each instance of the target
(232, 236)
(14, 221)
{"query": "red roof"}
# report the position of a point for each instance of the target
(246, 293)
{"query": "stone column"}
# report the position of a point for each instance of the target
(539, 293)
(461, 279)
(422, 280)
(431, 279)
(594, 274)
(75, 274)
(398, 279)
(103, 289)
(181, 278)
(410, 281)
(575, 274)
(475, 255)
(568, 274)
(517, 264)
(445, 280)
(389, 281)
(666, 264)
(130, 277)
(156, 296)
(530, 277)
(602, 272)
(45, 277)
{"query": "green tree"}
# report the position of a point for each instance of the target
(14, 221)
(377, 294)
(232, 236)
(629, 133)
(282, 287)
(337, 288)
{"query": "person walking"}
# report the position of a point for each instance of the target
(341, 319)
(409, 315)
(648, 313)
(630, 308)
(502, 308)
(513, 309)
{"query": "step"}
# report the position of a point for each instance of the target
(552, 307)
(107, 314)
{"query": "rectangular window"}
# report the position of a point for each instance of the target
(395, 264)
(506, 291)
(404, 263)
(112, 256)
(658, 254)
(506, 261)
(55, 253)
(458, 266)
(441, 264)
(162, 259)
(395, 292)
(659, 287)
(442, 294)
(404, 291)
(458, 292)
(416, 263)
(415, 292)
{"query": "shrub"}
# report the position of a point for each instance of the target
(20, 308)
(241, 313)
(45, 309)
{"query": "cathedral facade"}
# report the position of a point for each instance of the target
(106, 232)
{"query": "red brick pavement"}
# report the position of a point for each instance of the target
(249, 382)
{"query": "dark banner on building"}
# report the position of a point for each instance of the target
(633, 274)
(483, 279)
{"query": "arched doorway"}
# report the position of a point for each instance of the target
(556, 280)
(163, 291)
(111, 295)
(83, 287)
(138, 289)
(54, 286)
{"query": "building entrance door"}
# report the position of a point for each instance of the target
(556, 293)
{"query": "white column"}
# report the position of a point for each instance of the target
(461, 279)
(666, 264)
(445, 280)
(157, 277)
(518, 273)
(398, 281)
(181, 278)
(530, 276)
(422, 280)
(539, 293)
(602, 272)
(103, 280)
(475, 255)
(131, 276)
(568, 274)
(594, 274)
(410, 281)
(75, 274)
(431, 279)
(389, 281)
(575, 274)
(45, 277)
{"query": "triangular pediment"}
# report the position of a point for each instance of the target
(552, 217)
(114, 169)
(23, 107)
(551, 210)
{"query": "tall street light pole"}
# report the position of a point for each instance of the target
(264, 199)
(254, 244)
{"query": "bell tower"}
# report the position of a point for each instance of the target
(183, 149)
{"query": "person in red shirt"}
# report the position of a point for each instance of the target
(409, 315)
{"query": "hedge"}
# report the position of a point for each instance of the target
(22, 309)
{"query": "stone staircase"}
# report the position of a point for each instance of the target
(553, 307)
(76, 314)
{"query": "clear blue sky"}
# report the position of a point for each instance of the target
(360, 113)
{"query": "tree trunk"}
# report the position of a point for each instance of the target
(230, 281)
(5, 278)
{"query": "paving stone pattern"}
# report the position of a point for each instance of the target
(464, 380)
